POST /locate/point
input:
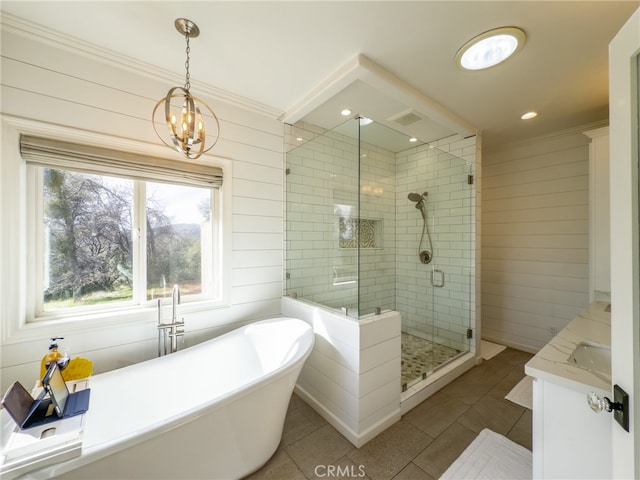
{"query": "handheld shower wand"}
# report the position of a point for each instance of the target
(425, 256)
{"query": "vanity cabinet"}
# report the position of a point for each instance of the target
(599, 230)
(570, 441)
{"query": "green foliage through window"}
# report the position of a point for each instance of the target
(89, 228)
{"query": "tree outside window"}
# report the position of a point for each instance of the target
(89, 225)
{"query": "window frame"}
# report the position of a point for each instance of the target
(17, 264)
(36, 261)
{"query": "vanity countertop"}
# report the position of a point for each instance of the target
(551, 363)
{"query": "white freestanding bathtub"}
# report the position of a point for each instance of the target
(214, 411)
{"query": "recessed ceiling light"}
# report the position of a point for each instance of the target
(413, 139)
(299, 139)
(490, 48)
(346, 112)
(529, 115)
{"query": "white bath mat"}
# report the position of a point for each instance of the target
(489, 350)
(491, 456)
(522, 393)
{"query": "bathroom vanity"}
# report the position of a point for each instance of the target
(569, 439)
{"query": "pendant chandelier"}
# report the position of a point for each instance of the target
(183, 112)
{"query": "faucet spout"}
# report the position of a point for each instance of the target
(175, 331)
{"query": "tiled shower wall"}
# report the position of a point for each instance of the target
(322, 186)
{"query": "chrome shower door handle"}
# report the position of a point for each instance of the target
(439, 284)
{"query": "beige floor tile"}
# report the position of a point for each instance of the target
(322, 447)
(496, 414)
(413, 472)
(343, 469)
(477, 382)
(301, 420)
(388, 453)
(468, 391)
(514, 357)
(436, 413)
(421, 446)
(521, 432)
(279, 467)
(502, 388)
(443, 451)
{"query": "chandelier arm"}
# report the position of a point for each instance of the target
(154, 123)
(215, 118)
(171, 120)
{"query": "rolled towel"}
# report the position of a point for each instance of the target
(77, 368)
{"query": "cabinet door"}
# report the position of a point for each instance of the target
(567, 435)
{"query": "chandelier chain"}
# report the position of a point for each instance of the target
(187, 83)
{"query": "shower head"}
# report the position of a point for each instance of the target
(417, 197)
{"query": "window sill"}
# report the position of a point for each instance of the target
(53, 325)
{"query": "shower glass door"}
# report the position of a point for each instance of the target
(436, 258)
(451, 269)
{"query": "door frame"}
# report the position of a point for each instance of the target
(625, 239)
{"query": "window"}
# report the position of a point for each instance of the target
(178, 245)
(117, 239)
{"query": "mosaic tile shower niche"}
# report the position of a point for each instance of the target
(360, 232)
(352, 237)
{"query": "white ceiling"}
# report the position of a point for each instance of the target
(278, 53)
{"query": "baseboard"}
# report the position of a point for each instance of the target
(518, 346)
(357, 439)
(379, 427)
(325, 413)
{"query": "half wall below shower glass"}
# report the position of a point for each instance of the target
(353, 237)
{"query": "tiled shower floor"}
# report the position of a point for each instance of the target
(422, 356)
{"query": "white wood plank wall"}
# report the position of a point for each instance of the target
(45, 81)
(535, 238)
(352, 377)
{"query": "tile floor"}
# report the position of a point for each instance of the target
(422, 444)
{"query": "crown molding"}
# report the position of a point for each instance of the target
(19, 26)
(578, 129)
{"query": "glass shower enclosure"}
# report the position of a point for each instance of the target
(377, 221)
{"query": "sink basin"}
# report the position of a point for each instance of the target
(593, 357)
